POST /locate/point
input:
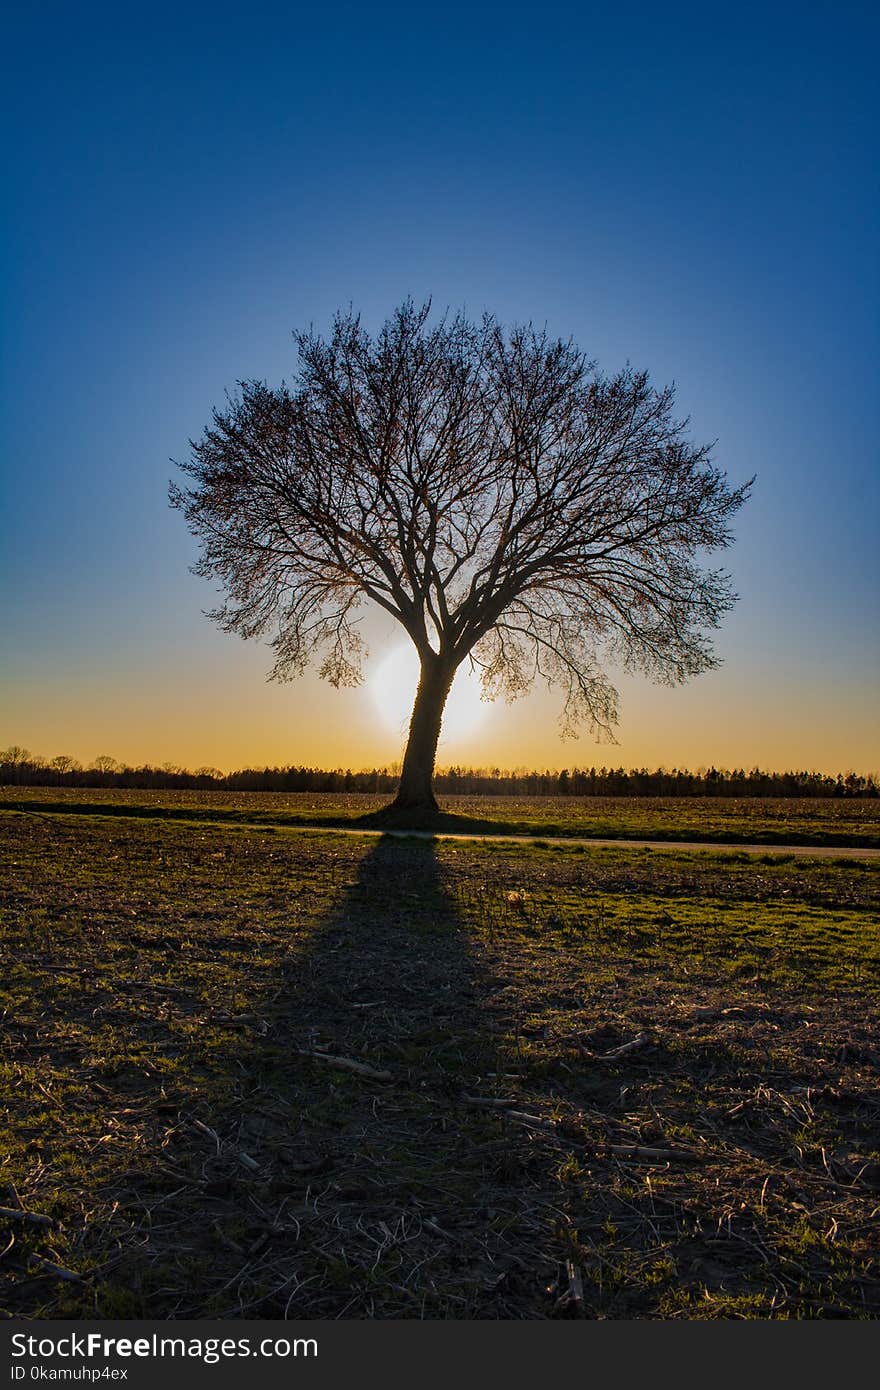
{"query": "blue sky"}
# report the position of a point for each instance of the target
(692, 190)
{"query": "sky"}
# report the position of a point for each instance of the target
(689, 188)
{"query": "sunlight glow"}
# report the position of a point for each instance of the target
(393, 687)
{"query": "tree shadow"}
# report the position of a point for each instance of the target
(404, 1178)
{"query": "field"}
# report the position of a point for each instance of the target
(805, 821)
(260, 1072)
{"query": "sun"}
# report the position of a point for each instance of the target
(393, 689)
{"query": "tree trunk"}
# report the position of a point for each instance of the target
(416, 790)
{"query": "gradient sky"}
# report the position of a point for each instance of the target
(688, 187)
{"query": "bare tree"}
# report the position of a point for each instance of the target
(16, 756)
(16, 763)
(104, 763)
(491, 490)
(63, 763)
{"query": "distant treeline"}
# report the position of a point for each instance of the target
(18, 767)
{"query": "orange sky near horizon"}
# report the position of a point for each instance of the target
(213, 706)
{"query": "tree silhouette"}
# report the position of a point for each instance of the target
(63, 763)
(496, 494)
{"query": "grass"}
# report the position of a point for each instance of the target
(806, 821)
(173, 992)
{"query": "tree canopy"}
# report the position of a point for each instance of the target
(491, 490)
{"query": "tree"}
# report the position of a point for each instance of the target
(16, 756)
(17, 762)
(212, 774)
(504, 501)
(64, 763)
